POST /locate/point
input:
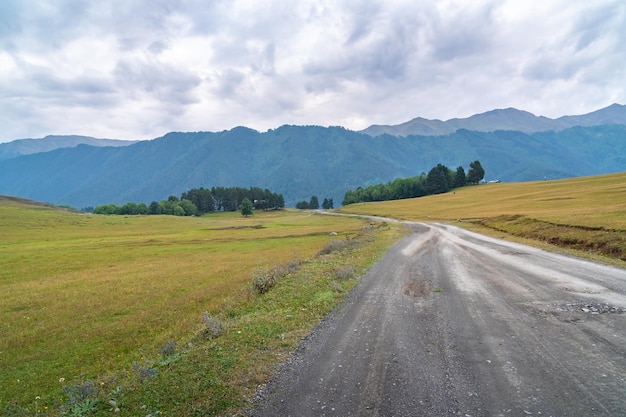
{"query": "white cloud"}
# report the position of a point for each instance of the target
(138, 69)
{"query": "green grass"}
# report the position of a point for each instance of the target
(585, 214)
(109, 310)
(88, 303)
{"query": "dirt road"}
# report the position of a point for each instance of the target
(451, 323)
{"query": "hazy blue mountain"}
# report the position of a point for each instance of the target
(615, 114)
(30, 146)
(300, 161)
(502, 119)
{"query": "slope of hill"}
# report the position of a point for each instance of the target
(21, 147)
(614, 114)
(300, 161)
(502, 119)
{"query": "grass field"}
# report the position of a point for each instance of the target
(99, 313)
(585, 214)
(156, 315)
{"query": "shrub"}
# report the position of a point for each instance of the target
(263, 280)
(293, 265)
(144, 371)
(347, 272)
(335, 246)
(214, 327)
(169, 349)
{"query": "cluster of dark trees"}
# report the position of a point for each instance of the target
(314, 204)
(201, 200)
(230, 199)
(440, 179)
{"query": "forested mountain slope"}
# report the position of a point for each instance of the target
(300, 161)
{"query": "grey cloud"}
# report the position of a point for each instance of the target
(310, 61)
(597, 24)
(37, 83)
(52, 27)
(265, 63)
(589, 48)
(364, 17)
(158, 46)
(171, 86)
(372, 52)
(55, 24)
(80, 85)
(227, 82)
(466, 34)
(550, 67)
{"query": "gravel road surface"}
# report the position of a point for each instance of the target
(452, 323)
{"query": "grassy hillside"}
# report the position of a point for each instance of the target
(587, 213)
(99, 312)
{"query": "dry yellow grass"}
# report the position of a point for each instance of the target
(587, 213)
(590, 201)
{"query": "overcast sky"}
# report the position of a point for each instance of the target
(132, 69)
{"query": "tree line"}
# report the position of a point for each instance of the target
(314, 204)
(440, 179)
(201, 200)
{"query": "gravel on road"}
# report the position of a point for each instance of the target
(453, 323)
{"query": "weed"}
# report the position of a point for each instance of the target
(438, 290)
(144, 371)
(14, 410)
(82, 408)
(114, 401)
(335, 246)
(82, 397)
(336, 286)
(169, 349)
(262, 281)
(293, 265)
(82, 390)
(347, 272)
(214, 327)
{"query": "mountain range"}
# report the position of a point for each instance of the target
(21, 147)
(301, 161)
(501, 119)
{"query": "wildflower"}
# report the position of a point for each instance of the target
(61, 380)
(38, 397)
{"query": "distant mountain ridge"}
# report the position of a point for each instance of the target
(300, 161)
(501, 119)
(21, 147)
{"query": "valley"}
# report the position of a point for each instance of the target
(118, 302)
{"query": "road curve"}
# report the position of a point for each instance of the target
(452, 323)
